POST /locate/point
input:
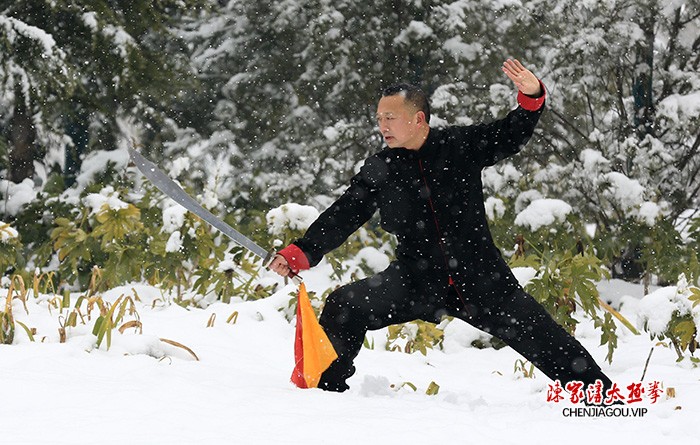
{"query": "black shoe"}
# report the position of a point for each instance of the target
(334, 387)
(334, 378)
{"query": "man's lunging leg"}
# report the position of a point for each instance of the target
(529, 329)
(373, 303)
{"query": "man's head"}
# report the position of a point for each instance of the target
(403, 114)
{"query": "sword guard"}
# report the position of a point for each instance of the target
(269, 257)
(296, 278)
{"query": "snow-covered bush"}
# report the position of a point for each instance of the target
(366, 248)
(10, 247)
(555, 244)
(290, 221)
(132, 237)
(673, 313)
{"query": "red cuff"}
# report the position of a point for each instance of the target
(295, 258)
(530, 103)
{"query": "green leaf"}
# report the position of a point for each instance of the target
(97, 329)
(27, 330)
(433, 389)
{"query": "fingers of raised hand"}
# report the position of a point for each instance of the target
(521, 76)
(515, 70)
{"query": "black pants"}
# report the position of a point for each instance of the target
(390, 298)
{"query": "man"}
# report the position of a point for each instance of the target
(427, 187)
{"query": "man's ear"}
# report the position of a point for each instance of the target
(420, 117)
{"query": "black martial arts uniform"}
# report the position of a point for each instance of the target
(446, 260)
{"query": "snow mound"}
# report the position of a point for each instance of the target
(290, 216)
(543, 212)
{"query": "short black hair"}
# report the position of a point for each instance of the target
(412, 94)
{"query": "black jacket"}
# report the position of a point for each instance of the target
(432, 200)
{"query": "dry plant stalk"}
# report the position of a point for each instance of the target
(95, 280)
(107, 320)
(7, 320)
(7, 323)
(131, 324)
(180, 345)
(39, 279)
(17, 284)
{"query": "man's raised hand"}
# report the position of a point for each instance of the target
(522, 77)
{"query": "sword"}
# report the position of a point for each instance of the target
(177, 194)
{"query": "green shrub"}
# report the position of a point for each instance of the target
(414, 336)
(682, 328)
(566, 278)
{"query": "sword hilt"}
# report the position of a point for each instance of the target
(296, 278)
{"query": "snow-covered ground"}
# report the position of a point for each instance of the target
(144, 391)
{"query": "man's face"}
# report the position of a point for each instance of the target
(399, 123)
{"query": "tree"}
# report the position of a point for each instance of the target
(294, 84)
(72, 70)
(622, 135)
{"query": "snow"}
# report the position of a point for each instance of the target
(16, 195)
(107, 198)
(227, 264)
(495, 208)
(90, 20)
(145, 391)
(174, 243)
(625, 191)
(173, 216)
(657, 308)
(414, 31)
(7, 233)
(96, 162)
(331, 133)
(525, 198)
(13, 27)
(524, 274)
(462, 50)
(496, 178)
(592, 159)
(649, 212)
(543, 212)
(376, 260)
(208, 199)
(180, 165)
(676, 105)
(120, 38)
(290, 216)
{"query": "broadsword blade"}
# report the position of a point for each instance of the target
(166, 185)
